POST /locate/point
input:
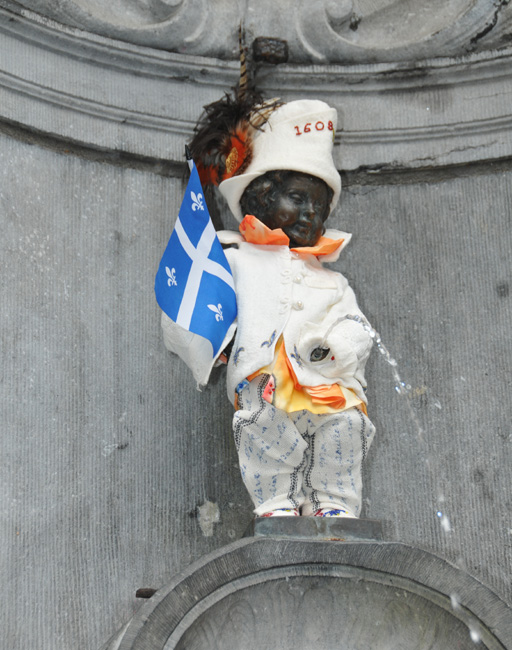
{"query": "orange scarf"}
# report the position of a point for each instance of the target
(256, 232)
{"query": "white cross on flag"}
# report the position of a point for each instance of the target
(194, 285)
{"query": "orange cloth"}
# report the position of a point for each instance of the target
(256, 232)
(287, 394)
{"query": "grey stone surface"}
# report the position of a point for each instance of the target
(115, 469)
(318, 31)
(84, 91)
(87, 393)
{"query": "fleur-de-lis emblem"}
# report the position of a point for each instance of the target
(296, 356)
(237, 354)
(270, 341)
(171, 273)
(218, 311)
(197, 201)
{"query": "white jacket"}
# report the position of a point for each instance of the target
(280, 292)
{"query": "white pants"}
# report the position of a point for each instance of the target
(300, 459)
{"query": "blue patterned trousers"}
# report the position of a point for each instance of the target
(300, 459)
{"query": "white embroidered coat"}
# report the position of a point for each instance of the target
(280, 292)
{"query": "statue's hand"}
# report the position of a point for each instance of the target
(318, 354)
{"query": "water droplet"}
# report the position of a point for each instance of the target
(439, 514)
(445, 524)
(475, 635)
(455, 600)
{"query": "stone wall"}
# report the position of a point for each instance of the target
(114, 463)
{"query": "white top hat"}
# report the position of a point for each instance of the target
(297, 136)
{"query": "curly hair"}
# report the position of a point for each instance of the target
(262, 192)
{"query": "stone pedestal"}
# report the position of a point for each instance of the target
(278, 592)
(316, 528)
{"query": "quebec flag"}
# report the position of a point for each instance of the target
(194, 285)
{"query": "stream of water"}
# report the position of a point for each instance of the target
(404, 389)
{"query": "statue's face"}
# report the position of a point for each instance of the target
(300, 209)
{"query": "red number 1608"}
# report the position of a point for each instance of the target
(318, 126)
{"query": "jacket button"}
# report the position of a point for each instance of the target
(297, 279)
(298, 305)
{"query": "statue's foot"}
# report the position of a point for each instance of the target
(333, 512)
(282, 512)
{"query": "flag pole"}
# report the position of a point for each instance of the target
(188, 156)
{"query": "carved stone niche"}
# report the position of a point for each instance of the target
(87, 93)
(372, 595)
(338, 31)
